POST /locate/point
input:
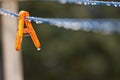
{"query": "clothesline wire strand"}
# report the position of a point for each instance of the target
(102, 25)
(92, 3)
(83, 2)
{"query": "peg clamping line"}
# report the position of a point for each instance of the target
(95, 25)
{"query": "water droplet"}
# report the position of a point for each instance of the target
(85, 3)
(108, 4)
(12, 15)
(94, 3)
(115, 5)
(5, 14)
(37, 22)
(38, 49)
(40, 22)
(29, 20)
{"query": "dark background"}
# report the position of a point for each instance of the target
(67, 54)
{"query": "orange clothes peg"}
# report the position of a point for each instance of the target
(25, 30)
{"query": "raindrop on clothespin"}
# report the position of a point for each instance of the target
(38, 49)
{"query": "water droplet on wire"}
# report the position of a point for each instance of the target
(12, 16)
(108, 4)
(115, 5)
(37, 22)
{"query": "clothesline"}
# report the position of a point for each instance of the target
(82, 2)
(91, 2)
(102, 25)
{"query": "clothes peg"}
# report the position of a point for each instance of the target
(21, 31)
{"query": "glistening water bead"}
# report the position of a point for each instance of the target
(38, 49)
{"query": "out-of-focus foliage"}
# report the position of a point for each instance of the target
(67, 54)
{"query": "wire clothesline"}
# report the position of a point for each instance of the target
(83, 2)
(102, 25)
(90, 2)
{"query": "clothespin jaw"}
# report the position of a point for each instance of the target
(20, 28)
(25, 30)
(33, 34)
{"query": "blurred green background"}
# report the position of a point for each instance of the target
(67, 54)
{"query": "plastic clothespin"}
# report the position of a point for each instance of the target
(21, 30)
